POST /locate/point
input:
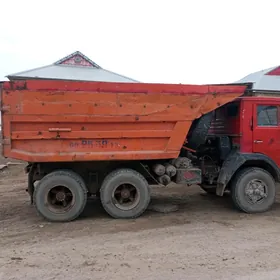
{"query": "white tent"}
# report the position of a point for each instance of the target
(265, 80)
(75, 66)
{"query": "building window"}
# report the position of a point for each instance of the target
(267, 115)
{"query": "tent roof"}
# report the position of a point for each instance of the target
(75, 66)
(268, 79)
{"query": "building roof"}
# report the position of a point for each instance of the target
(75, 66)
(268, 79)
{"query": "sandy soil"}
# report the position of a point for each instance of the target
(205, 239)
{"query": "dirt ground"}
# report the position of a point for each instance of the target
(205, 239)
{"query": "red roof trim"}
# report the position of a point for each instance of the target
(274, 72)
(77, 59)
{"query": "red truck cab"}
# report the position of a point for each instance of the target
(241, 151)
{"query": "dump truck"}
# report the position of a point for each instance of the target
(115, 140)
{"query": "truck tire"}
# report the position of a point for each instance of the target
(253, 190)
(199, 129)
(60, 196)
(125, 194)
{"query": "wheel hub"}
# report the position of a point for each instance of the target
(125, 193)
(60, 196)
(60, 199)
(256, 190)
(125, 196)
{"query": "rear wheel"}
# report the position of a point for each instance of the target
(253, 190)
(60, 196)
(125, 194)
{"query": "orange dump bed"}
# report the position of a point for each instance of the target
(44, 121)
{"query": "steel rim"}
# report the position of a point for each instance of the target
(125, 197)
(256, 191)
(60, 199)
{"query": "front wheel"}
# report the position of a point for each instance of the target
(253, 190)
(125, 194)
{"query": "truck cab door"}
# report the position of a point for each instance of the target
(266, 130)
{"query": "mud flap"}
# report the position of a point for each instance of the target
(30, 183)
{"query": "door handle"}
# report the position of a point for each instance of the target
(258, 141)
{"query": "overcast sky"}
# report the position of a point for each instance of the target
(183, 41)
